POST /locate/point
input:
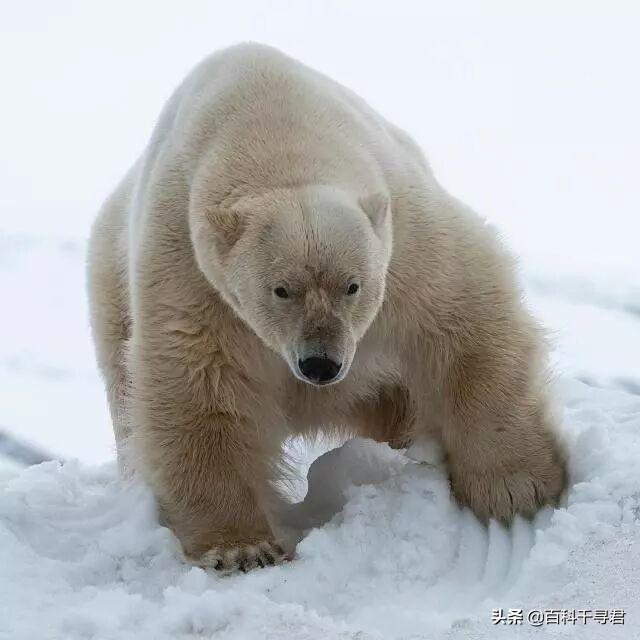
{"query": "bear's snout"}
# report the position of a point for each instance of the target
(319, 370)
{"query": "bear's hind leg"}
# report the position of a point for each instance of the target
(110, 324)
(389, 417)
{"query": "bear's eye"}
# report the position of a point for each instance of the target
(352, 289)
(281, 292)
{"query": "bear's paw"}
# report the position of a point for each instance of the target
(241, 556)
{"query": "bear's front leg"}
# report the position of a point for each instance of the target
(503, 456)
(200, 447)
(214, 512)
(210, 488)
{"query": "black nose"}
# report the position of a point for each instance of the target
(319, 369)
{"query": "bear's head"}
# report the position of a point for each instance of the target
(304, 268)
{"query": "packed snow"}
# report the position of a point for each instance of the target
(544, 140)
(84, 557)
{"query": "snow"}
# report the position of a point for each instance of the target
(51, 392)
(395, 557)
(530, 115)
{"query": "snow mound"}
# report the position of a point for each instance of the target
(84, 557)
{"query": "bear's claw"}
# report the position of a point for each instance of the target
(243, 557)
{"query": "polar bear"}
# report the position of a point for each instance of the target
(281, 259)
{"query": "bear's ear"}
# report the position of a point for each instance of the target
(228, 226)
(377, 207)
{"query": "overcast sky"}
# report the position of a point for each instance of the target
(532, 118)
